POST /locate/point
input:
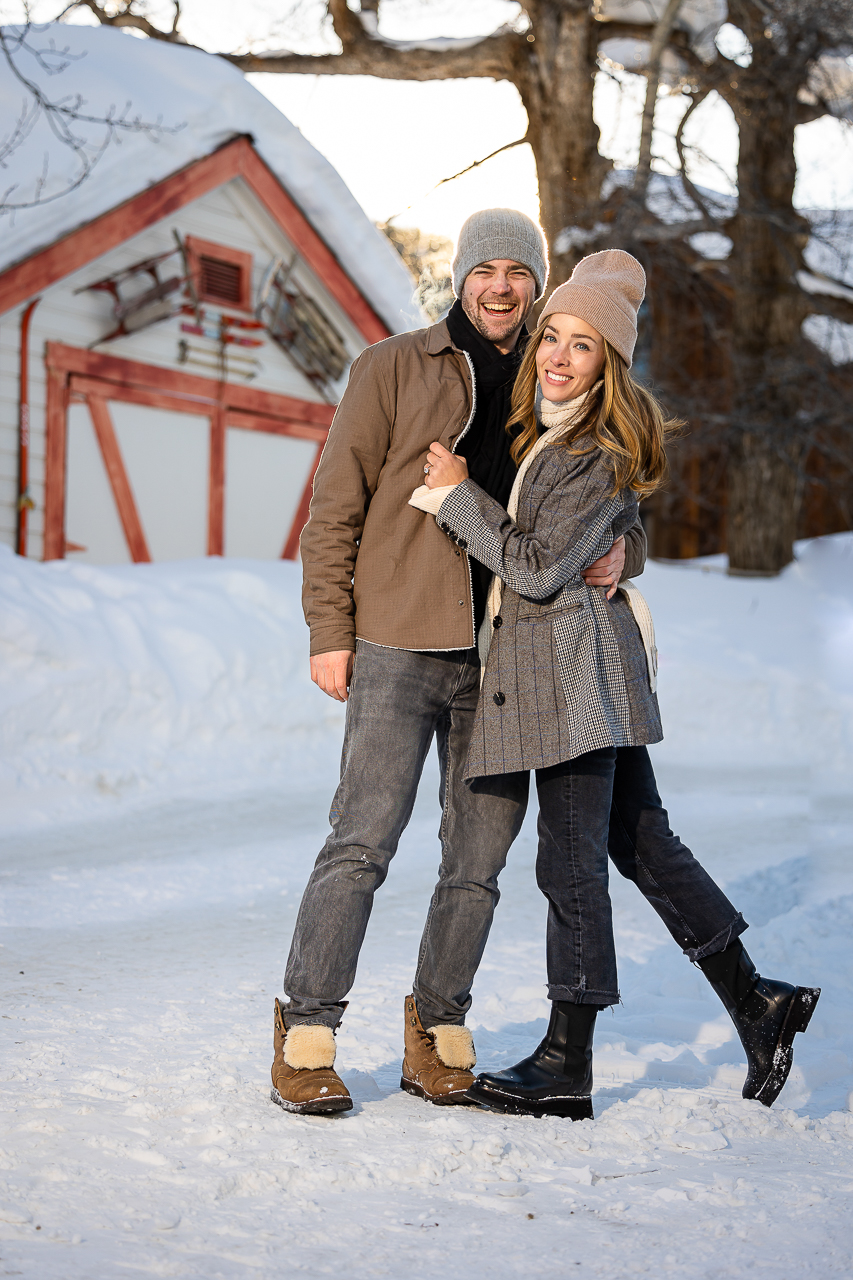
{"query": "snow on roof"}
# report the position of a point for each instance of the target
(199, 102)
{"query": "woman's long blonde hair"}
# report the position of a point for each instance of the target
(621, 417)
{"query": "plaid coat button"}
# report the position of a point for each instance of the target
(497, 622)
(499, 698)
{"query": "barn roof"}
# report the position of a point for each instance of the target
(191, 103)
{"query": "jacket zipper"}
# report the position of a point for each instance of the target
(456, 444)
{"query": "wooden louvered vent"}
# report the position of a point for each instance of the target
(220, 281)
(220, 275)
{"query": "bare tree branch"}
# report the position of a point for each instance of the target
(363, 51)
(506, 147)
(63, 116)
(660, 39)
(696, 101)
(825, 304)
(127, 17)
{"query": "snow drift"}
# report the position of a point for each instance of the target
(119, 680)
(167, 709)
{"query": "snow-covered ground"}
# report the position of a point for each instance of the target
(166, 771)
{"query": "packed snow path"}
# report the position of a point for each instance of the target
(144, 942)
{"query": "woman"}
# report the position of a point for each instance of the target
(569, 691)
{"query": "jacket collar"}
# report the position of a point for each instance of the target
(438, 339)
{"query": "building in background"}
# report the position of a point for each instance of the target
(175, 332)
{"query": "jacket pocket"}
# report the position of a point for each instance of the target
(554, 610)
(573, 634)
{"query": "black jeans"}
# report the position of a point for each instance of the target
(604, 803)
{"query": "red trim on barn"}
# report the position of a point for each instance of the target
(125, 502)
(187, 386)
(74, 373)
(216, 488)
(290, 550)
(237, 159)
(56, 437)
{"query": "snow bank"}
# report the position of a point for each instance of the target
(201, 102)
(757, 670)
(117, 681)
(145, 940)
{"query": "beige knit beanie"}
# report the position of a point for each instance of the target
(495, 234)
(606, 290)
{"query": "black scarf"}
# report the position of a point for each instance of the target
(485, 446)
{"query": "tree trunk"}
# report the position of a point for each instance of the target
(768, 241)
(763, 503)
(556, 82)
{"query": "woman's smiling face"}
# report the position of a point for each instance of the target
(569, 359)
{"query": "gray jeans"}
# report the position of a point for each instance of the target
(398, 701)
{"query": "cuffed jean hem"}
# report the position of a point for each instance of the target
(718, 943)
(428, 1021)
(308, 1020)
(330, 1018)
(582, 995)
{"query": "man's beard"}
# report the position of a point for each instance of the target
(490, 327)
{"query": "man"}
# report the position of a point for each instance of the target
(394, 605)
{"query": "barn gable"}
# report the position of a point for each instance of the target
(194, 342)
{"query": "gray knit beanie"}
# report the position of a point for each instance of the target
(495, 234)
(606, 290)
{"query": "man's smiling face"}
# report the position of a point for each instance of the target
(496, 298)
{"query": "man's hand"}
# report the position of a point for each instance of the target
(331, 672)
(607, 571)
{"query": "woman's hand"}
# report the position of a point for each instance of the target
(443, 467)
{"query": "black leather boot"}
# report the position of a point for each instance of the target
(556, 1080)
(767, 1015)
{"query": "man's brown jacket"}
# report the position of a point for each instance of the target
(374, 567)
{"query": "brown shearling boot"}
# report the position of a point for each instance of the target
(302, 1075)
(437, 1063)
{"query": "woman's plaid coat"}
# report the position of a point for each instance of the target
(567, 670)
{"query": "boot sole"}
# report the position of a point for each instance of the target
(437, 1099)
(316, 1107)
(800, 1010)
(567, 1108)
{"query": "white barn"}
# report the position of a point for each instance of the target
(175, 333)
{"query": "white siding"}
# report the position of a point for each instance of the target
(167, 458)
(265, 478)
(231, 216)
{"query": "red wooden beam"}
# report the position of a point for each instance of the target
(276, 426)
(24, 500)
(81, 387)
(122, 492)
(235, 159)
(96, 378)
(216, 491)
(56, 429)
(310, 247)
(121, 373)
(291, 546)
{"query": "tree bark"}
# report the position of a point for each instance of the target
(556, 81)
(768, 308)
(763, 503)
